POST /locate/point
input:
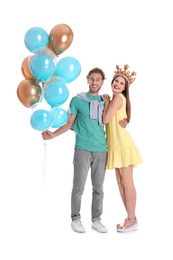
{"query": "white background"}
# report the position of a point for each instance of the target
(36, 176)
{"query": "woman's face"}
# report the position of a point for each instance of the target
(118, 84)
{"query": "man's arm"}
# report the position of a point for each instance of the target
(123, 123)
(47, 135)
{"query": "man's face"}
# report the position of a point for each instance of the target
(95, 82)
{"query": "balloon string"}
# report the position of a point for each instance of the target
(44, 161)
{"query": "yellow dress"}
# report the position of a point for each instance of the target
(122, 151)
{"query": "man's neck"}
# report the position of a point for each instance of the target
(93, 94)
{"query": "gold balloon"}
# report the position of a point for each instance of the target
(29, 92)
(60, 38)
(25, 69)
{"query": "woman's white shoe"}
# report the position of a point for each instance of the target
(128, 226)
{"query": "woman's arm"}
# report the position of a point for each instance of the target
(111, 109)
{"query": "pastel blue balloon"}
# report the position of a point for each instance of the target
(42, 67)
(60, 117)
(56, 93)
(54, 79)
(41, 119)
(36, 39)
(68, 68)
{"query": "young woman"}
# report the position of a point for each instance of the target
(123, 154)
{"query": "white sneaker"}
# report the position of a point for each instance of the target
(97, 225)
(77, 226)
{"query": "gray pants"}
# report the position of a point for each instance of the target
(83, 160)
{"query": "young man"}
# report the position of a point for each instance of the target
(90, 149)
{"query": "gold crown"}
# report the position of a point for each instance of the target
(125, 73)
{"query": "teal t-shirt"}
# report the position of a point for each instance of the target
(90, 135)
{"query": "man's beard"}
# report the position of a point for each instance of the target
(94, 89)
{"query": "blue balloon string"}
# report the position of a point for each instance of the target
(44, 160)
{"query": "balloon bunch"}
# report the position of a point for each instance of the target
(46, 78)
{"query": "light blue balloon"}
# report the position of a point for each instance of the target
(68, 68)
(56, 93)
(41, 119)
(42, 67)
(54, 79)
(36, 39)
(60, 117)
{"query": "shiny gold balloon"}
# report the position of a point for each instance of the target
(25, 69)
(60, 38)
(49, 46)
(29, 92)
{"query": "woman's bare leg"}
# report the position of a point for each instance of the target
(121, 187)
(125, 182)
(130, 191)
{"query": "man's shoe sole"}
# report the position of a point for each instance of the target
(103, 231)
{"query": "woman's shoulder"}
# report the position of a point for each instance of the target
(118, 97)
